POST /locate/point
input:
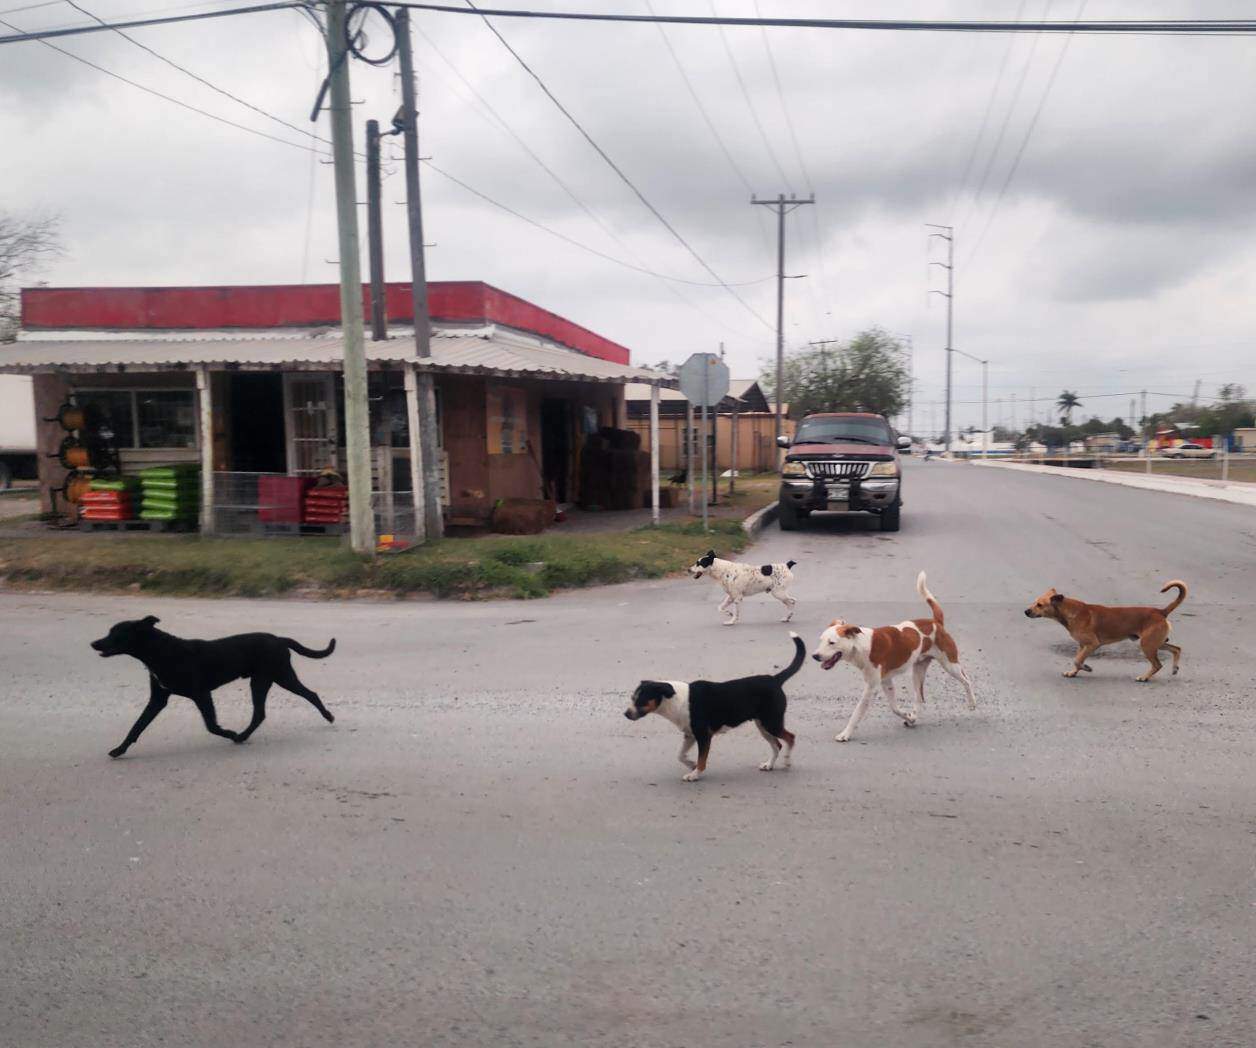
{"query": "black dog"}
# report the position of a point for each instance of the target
(703, 708)
(194, 668)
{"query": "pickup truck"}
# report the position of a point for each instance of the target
(844, 462)
(17, 430)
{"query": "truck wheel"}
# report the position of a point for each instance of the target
(890, 518)
(6, 476)
(787, 517)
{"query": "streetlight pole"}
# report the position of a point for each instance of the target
(985, 399)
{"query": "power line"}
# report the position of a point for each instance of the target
(576, 243)
(619, 171)
(200, 79)
(745, 94)
(1007, 120)
(1033, 123)
(1192, 27)
(985, 119)
(169, 98)
(21, 36)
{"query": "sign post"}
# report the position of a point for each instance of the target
(704, 381)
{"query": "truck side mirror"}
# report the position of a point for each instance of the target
(904, 443)
(782, 442)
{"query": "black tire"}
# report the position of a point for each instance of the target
(787, 517)
(890, 518)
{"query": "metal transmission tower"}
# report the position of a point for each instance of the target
(948, 235)
(782, 205)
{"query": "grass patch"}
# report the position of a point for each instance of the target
(496, 566)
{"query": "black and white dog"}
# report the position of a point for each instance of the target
(703, 708)
(745, 580)
(196, 667)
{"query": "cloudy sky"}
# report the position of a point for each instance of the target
(1104, 196)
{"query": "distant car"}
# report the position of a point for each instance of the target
(1190, 450)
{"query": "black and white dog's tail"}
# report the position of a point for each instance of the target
(800, 653)
(791, 563)
(310, 653)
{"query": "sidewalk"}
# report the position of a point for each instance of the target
(1238, 492)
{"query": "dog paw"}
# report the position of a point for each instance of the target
(1088, 668)
(844, 737)
(329, 718)
(766, 766)
(119, 752)
(1070, 673)
(972, 705)
(784, 763)
(909, 722)
(1141, 680)
(693, 776)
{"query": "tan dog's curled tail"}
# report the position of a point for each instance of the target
(1181, 588)
(927, 597)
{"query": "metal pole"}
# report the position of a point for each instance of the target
(205, 394)
(375, 233)
(417, 494)
(418, 282)
(654, 453)
(706, 396)
(780, 312)
(732, 473)
(985, 429)
(1225, 461)
(689, 471)
(950, 322)
(357, 411)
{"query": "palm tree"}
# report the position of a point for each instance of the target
(1066, 403)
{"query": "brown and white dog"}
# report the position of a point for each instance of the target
(1094, 625)
(881, 653)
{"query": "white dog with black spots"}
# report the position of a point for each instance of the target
(745, 580)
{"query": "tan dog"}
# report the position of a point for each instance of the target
(881, 653)
(1094, 625)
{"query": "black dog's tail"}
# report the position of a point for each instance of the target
(800, 653)
(310, 653)
(790, 563)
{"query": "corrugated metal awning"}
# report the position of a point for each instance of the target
(489, 352)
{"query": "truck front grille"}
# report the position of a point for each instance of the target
(838, 470)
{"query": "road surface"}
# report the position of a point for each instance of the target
(483, 851)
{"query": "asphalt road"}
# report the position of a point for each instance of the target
(483, 851)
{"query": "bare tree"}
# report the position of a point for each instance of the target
(26, 243)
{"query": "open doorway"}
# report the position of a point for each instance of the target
(255, 406)
(556, 444)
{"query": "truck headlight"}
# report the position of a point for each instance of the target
(793, 469)
(884, 469)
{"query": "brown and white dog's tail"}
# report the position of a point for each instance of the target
(1180, 586)
(928, 598)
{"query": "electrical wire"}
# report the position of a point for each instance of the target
(623, 177)
(1135, 27)
(1033, 123)
(745, 94)
(200, 79)
(985, 119)
(168, 98)
(572, 241)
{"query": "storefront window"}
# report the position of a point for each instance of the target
(166, 419)
(116, 411)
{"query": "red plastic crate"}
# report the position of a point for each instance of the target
(279, 498)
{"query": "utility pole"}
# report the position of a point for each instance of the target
(357, 411)
(408, 118)
(1142, 422)
(375, 234)
(949, 265)
(782, 206)
(1014, 429)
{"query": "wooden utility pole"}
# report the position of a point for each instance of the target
(375, 234)
(782, 206)
(426, 391)
(357, 411)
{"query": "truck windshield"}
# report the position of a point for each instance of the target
(837, 430)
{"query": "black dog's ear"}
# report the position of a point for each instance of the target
(150, 621)
(710, 553)
(668, 691)
(1056, 598)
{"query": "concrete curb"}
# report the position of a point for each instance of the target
(1239, 494)
(760, 519)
